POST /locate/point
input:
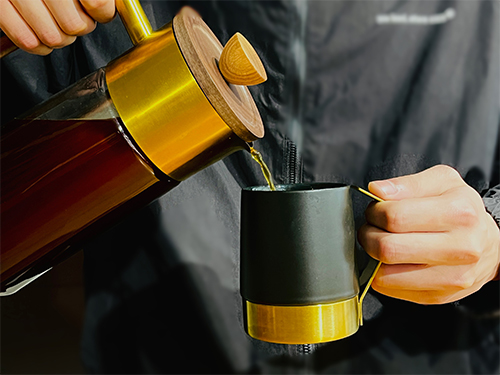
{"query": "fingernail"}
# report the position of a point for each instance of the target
(387, 187)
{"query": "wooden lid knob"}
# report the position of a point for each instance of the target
(202, 51)
(240, 64)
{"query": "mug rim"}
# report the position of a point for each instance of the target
(297, 188)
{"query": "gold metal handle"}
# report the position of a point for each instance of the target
(369, 283)
(366, 192)
(134, 19)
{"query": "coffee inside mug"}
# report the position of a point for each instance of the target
(298, 187)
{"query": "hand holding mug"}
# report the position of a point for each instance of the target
(435, 239)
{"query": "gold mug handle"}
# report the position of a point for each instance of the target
(369, 283)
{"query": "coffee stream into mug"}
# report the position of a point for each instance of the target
(257, 156)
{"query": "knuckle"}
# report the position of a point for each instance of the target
(466, 253)
(395, 220)
(28, 42)
(74, 26)
(464, 213)
(416, 185)
(448, 171)
(472, 255)
(378, 283)
(52, 39)
(91, 28)
(95, 4)
(383, 285)
(462, 281)
(468, 216)
(387, 250)
(43, 51)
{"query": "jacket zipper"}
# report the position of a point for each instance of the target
(292, 175)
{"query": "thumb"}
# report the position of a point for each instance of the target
(102, 11)
(431, 182)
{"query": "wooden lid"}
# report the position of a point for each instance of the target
(202, 51)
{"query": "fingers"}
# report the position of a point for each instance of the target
(417, 248)
(18, 30)
(100, 10)
(457, 208)
(424, 297)
(38, 17)
(431, 182)
(38, 26)
(70, 17)
(422, 277)
(426, 284)
(432, 234)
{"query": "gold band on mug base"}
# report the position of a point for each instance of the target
(310, 324)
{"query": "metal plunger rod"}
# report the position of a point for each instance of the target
(134, 19)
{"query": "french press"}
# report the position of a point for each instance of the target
(121, 137)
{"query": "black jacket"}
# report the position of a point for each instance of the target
(357, 91)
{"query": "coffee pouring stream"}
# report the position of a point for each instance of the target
(122, 137)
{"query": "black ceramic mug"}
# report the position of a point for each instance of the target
(298, 276)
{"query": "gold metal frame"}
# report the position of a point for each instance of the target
(310, 324)
(164, 109)
(307, 324)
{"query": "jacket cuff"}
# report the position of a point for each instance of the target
(486, 301)
(492, 205)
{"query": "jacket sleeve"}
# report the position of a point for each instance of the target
(492, 204)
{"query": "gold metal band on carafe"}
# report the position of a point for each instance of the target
(164, 109)
(310, 324)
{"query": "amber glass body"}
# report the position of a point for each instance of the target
(62, 181)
